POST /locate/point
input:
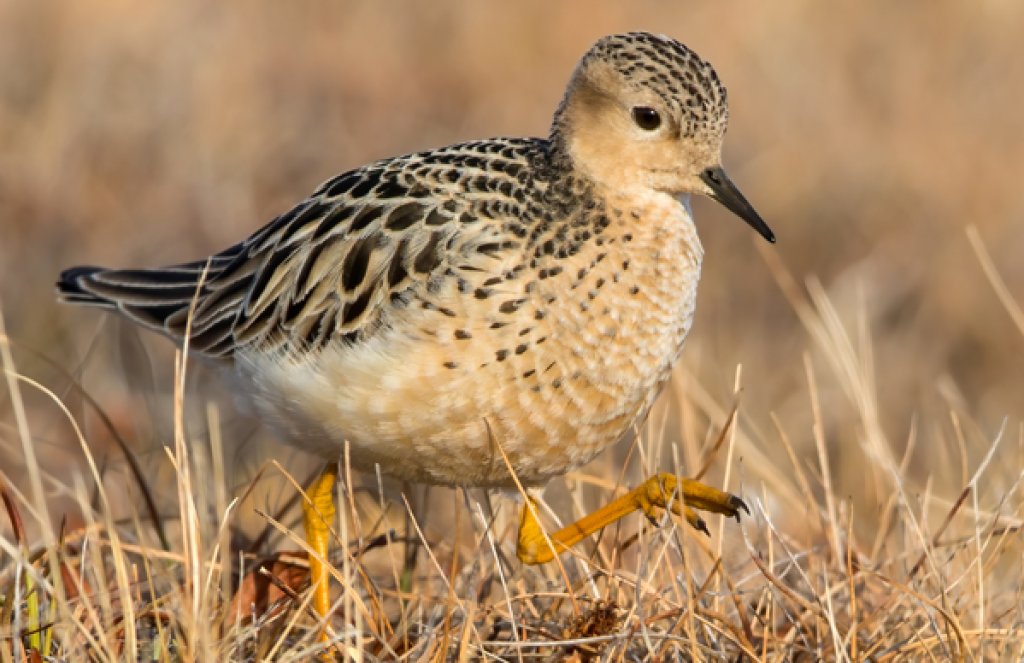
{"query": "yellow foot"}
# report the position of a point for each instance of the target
(317, 517)
(661, 491)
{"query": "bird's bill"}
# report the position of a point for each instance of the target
(725, 192)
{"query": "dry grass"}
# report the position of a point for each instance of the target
(879, 435)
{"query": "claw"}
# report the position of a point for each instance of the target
(657, 493)
(737, 504)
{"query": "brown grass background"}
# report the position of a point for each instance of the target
(869, 135)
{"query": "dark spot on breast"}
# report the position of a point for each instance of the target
(539, 315)
(521, 348)
(634, 290)
(482, 293)
(494, 280)
(462, 334)
(511, 306)
(530, 373)
(497, 325)
(556, 383)
(451, 364)
(501, 354)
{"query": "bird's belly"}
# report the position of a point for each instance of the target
(397, 405)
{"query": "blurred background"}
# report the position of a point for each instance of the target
(869, 135)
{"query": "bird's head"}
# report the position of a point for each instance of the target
(644, 111)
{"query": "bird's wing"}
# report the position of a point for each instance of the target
(331, 269)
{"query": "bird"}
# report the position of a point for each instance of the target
(489, 314)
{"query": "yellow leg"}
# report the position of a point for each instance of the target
(658, 492)
(317, 516)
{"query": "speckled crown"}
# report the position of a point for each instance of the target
(674, 72)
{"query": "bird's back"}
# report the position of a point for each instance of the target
(332, 269)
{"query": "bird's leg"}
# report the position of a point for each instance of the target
(317, 516)
(661, 491)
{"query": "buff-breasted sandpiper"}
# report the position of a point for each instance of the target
(500, 306)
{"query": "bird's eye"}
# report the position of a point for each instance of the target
(646, 118)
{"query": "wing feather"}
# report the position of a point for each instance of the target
(334, 265)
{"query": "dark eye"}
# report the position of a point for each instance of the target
(646, 118)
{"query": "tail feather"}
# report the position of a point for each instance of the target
(159, 299)
(70, 287)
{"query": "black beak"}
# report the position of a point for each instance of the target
(725, 192)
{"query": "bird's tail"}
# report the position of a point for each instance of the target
(160, 299)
